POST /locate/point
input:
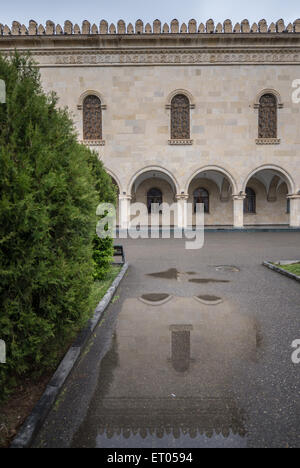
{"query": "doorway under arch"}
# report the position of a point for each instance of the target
(214, 189)
(271, 187)
(152, 187)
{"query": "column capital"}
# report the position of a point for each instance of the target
(294, 196)
(124, 197)
(239, 196)
(182, 196)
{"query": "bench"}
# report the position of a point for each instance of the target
(119, 252)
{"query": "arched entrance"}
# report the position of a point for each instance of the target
(267, 202)
(152, 187)
(214, 188)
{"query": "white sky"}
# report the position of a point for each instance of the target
(131, 10)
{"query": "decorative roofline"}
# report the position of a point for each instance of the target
(50, 29)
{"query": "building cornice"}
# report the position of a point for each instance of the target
(106, 46)
(153, 41)
(184, 30)
(177, 56)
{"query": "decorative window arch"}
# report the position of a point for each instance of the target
(268, 91)
(154, 195)
(250, 201)
(92, 118)
(267, 102)
(201, 195)
(180, 117)
(267, 116)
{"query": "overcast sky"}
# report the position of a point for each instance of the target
(131, 10)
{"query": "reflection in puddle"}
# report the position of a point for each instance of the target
(171, 377)
(214, 300)
(181, 347)
(155, 297)
(228, 268)
(207, 280)
(173, 273)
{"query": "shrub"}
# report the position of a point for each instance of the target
(102, 248)
(102, 256)
(49, 190)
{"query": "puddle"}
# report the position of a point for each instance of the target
(155, 297)
(209, 298)
(207, 280)
(172, 273)
(227, 268)
(171, 376)
(181, 349)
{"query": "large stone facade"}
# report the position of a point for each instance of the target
(223, 70)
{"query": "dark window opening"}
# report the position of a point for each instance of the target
(154, 195)
(250, 201)
(201, 195)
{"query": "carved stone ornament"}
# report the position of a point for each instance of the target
(267, 117)
(92, 118)
(180, 118)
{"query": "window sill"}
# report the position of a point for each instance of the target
(181, 142)
(93, 142)
(268, 141)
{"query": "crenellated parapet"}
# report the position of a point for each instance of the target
(86, 29)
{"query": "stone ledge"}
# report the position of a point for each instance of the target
(93, 142)
(181, 142)
(103, 106)
(169, 106)
(273, 267)
(268, 141)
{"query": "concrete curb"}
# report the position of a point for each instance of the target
(39, 413)
(123, 233)
(281, 271)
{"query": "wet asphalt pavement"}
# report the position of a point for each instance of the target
(194, 351)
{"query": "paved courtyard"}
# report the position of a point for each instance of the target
(194, 351)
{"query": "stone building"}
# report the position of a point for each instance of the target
(182, 113)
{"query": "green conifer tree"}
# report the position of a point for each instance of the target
(50, 187)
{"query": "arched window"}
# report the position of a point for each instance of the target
(154, 195)
(201, 195)
(267, 116)
(92, 118)
(180, 117)
(250, 201)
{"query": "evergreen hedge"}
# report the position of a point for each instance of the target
(49, 190)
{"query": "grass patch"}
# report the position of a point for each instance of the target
(100, 288)
(29, 390)
(295, 268)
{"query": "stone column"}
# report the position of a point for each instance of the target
(238, 210)
(294, 210)
(124, 211)
(182, 215)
